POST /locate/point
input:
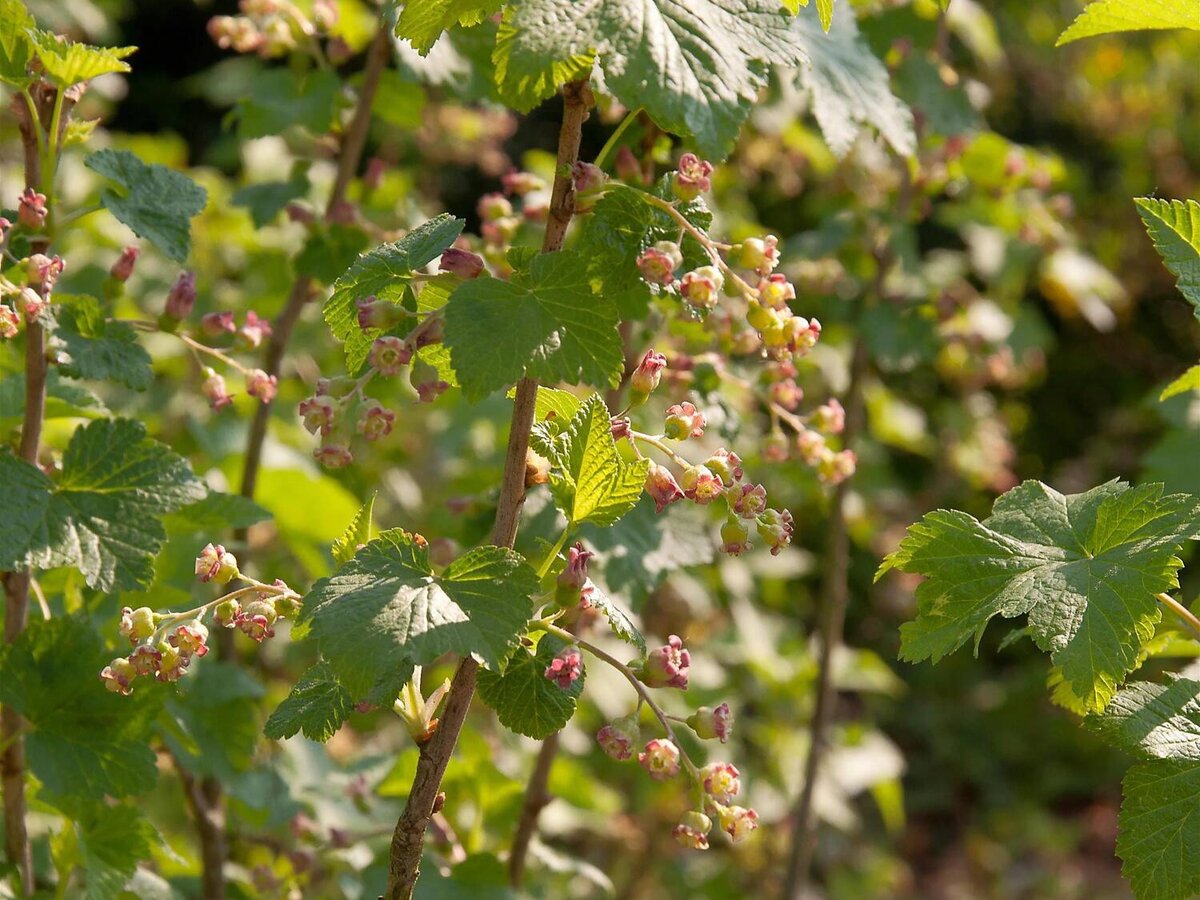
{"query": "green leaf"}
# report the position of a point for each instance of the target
(1159, 832)
(525, 700)
(1084, 567)
(552, 402)
(825, 9)
(386, 608)
(1153, 721)
(696, 68)
(620, 622)
(1108, 16)
(266, 200)
(64, 399)
(215, 512)
(545, 322)
(105, 843)
(157, 203)
(422, 23)
(1175, 227)
(16, 49)
(399, 102)
(317, 705)
(849, 86)
(66, 63)
(101, 513)
(96, 349)
(383, 272)
(328, 250)
(84, 742)
(280, 100)
(215, 720)
(1188, 381)
(357, 533)
(595, 483)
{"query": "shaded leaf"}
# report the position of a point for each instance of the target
(524, 699)
(96, 349)
(317, 705)
(1175, 227)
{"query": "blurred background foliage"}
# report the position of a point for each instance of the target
(1024, 333)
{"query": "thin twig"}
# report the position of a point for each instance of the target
(409, 835)
(1189, 617)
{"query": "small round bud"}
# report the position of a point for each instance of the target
(727, 465)
(254, 330)
(213, 388)
(666, 666)
(226, 613)
(738, 822)
(190, 638)
(123, 267)
(182, 297)
(261, 385)
(776, 527)
(118, 676)
(388, 355)
(709, 723)
(318, 414)
(217, 564)
(31, 210)
(215, 324)
(646, 377)
(619, 737)
(462, 263)
(662, 487)
(589, 183)
(701, 287)
(684, 421)
(145, 659)
(775, 291)
(492, 207)
(137, 624)
(760, 254)
(660, 759)
(376, 421)
(700, 485)
(657, 264)
(692, 830)
(735, 536)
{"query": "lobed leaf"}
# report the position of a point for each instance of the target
(16, 46)
(317, 705)
(1159, 829)
(524, 699)
(1174, 225)
(97, 349)
(421, 24)
(66, 63)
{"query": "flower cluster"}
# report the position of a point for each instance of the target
(164, 644)
(274, 28)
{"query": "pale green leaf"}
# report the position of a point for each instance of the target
(317, 705)
(157, 203)
(1083, 567)
(94, 348)
(1108, 16)
(1188, 381)
(545, 322)
(825, 10)
(386, 609)
(101, 514)
(695, 67)
(594, 483)
(357, 533)
(422, 22)
(383, 272)
(66, 63)
(16, 48)
(525, 700)
(1174, 226)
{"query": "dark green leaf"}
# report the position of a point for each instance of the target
(317, 705)
(1159, 836)
(280, 100)
(266, 200)
(95, 349)
(216, 712)
(524, 699)
(329, 250)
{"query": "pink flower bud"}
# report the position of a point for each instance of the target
(776, 527)
(775, 291)
(692, 178)
(760, 254)
(738, 821)
(735, 537)
(684, 421)
(667, 666)
(521, 183)
(123, 267)
(647, 375)
(182, 297)
(662, 487)
(811, 445)
(43, 271)
(388, 355)
(700, 485)
(494, 206)
(721, 781)
(318, 414)
(566, 667)
(31, 210)
(657, 264)
(727, 465)
(462, 263)
(333, 456)
(261, 385)
(499, 232)
(692, 830)
(701, 287)
(254, 330)
(257, 618)
(589, 182)
(190, 638)
(118, 675)
(787, 393)
(750, 501)
(621, 428)
(834, 468)
(424, 378)
(137, 624)
(575, 574)
(145, 659)
(712, 723)
(215, 324)
(775, 447)
(213, 387)
(376, 421)
(215, 563)
(10, 322)
(660, 759)
(829, 417)
(619, 737)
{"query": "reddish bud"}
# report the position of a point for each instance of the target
(566, 667)
(738, 822)
(10, 322)
(700, 484)
(776, 527)
(213, 387)
(118, 676)
(123, 267)
(646, 376)
(712, 723)
(215, 324)
(137, 624)
(619, 737)
(589, 181)
(692, 830)
(43, 271)
(333, 456)
(727, 465)
(684, 421)
(760, 254)
(775, 291)
(492, 207)
(190, 638)
(701, 287)
(31, 210)
(182, 297)
(667, 666)
(462, 263)
(721, 781)
(521, 183)
(376, 421)
(750, 501)
(662, 487)
(318, 414)
(388, 355)
(254, 330)
(627, 167)
(657, 264)
(829, 417)
(261, 385)
(373, 313)
(215, 563)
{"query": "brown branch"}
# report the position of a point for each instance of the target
(537, 796)
(408, 838)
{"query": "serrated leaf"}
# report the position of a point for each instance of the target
(109, 841)
(357, 533)
(524, 699)
(317, 705)
(101, 514)
(1159, 831)
(1174, 226)
(595, 483)
(849, 86)
(1188, 381)
(825, 10)
(157, 203)
(545, 322)
(16, 48)
(218, 720)
(97, 349)
(694, 67)
(383, 272)
(422, 23)
(386, 609)
(266, 200)
(1108, 16)
(83, 742)
(1153, 721)
(1084, 567)
(66, 63)
(620, 622)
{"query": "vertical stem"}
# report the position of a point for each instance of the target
(409, 835)
(537, 796)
